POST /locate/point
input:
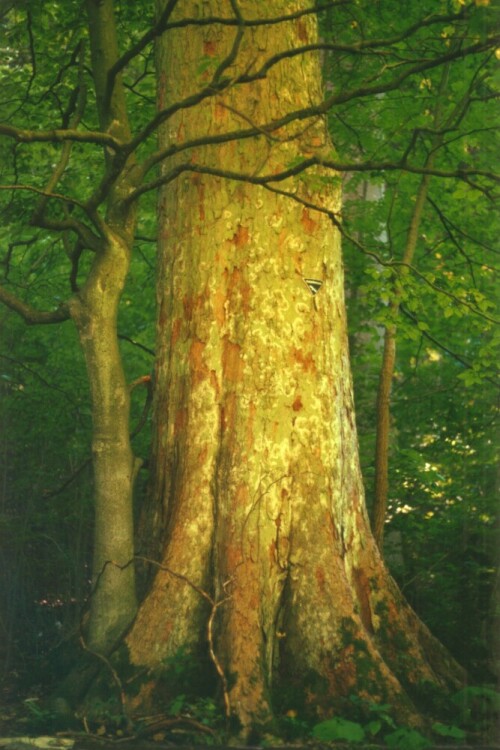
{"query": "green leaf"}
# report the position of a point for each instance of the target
(338, 729)
(205, 63)
(407, 739)
(177, 705)
(373, 727)
(445, 730)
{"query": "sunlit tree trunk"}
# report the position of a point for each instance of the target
(94, 311)
(259, 495)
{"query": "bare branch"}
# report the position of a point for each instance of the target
(303, 166)
(35, 374)
(78, 102)
(467, 236)
(89, 239)
(233, 52)
(136, 343)
(442, 346)
(31, 315)
(380, 87)
(59, 135)
(163, 25)
(143, 42)
(216, 87)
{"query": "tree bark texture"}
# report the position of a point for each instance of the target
(94, 311)
(259, 495)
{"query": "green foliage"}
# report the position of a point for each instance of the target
(478, 707)
(440, 535)
(338, 729)
(446, 730)
(407, 739)
(375, 717)
(39, 718)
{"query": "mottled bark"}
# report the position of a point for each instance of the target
(257, 480)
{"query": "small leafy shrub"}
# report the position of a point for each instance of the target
(375, 717)
(39, 718)
(446, 730)
(291, 727)
(338, 729)
(478, 707)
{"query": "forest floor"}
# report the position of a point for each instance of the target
(23, 726)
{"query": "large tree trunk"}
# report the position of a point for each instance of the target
(257, 480)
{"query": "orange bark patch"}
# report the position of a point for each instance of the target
(210, 49)
(228, 413)
(250, 425)
(307, 222)
(237, 283)
(304, 359)
(197, 181)
(231, 361)
(232, 554)
(144, 698)
(362, 586)
(218, 304)
(199, 370)
(320, 578)
(302, 32)
(297, 404)
(273, 555)
(193, 304)
(241, 236)
(176, 329)
(220, 113)
(180, 420)
(343, 677)
(317, 141)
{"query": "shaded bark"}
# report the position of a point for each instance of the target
(94, 310)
